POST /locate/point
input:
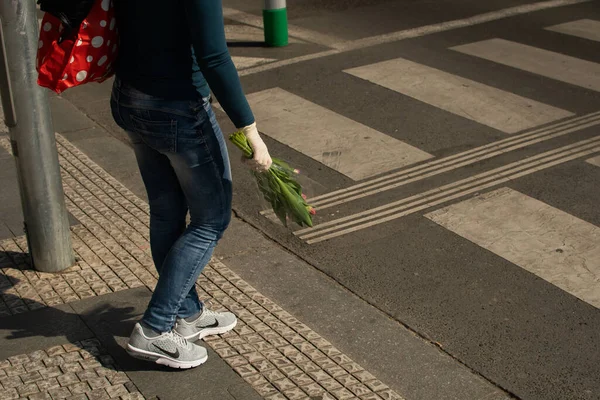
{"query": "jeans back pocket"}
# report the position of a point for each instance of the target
(159, 135)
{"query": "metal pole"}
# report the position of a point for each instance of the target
(33, 141)
(7, 103)
(275, 23)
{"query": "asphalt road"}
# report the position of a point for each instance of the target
(497, 256)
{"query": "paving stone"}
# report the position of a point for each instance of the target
(11, 381)
(302, 380)
(47, 384)
(118, 378)
(80, 396)
(14, 371)
(330, 384)
(276, 396)
(370, 396)
(50, 372)
(116, 391)
(18, 359)
(87, 374)
(98, 394)
(132, 396)
(98, 383)
(9, 394)
(245, 370)
(73, 367)
(347, 380)
(40, 396)
(342, 394)
(31, 377)
(389, 394)
(295, 394)
(360, 390)
(314, 390)
(376, 385)
(266, 390)
(27, 389)
(33, 366)
(67, 379)
(79, 388)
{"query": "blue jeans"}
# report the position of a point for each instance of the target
(183, 160)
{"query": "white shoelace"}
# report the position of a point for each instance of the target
(177, 338)
(211, 313)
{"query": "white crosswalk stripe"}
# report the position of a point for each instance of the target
(342, 144)
(487, 105)
(583, 28)
(554, 245)
(594, 161)
(247, 62)
(542, 62)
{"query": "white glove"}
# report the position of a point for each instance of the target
(261, 160)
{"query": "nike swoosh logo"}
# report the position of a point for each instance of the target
(173, 354)
(211, 325)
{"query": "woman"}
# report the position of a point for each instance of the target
(170, 54)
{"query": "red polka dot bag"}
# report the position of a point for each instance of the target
(85, 55)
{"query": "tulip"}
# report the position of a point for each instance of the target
(279, 187)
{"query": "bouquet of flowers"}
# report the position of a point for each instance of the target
(279, 187)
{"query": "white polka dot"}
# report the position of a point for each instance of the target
(105, 4)
(102, 60)
(108, 43)
(84, 25)
(97, 41)
(40, 44)
(103, 23)
(89, 58)
(61, 28)
(114, 48)
(112, 24)
(81, 75)
(65, 77)
(47, 26)
(79, 42)
(72, 59)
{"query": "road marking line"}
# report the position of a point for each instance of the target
(436, 170)
(342, 144)
(294, 31)
(428, 195)
(450, 163)
(583, 28)
(594, 161)
(247, 33)
(560, 67)
(417, 32)
(444, 193)
(450, 198)
(247, 62)
(478, 151)
(550, 243)
(504, 111)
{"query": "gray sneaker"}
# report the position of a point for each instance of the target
(168, 349)
(208, 323)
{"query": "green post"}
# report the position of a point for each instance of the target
(275, 22)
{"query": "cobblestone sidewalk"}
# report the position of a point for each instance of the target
(277, 354)
(75, 371)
